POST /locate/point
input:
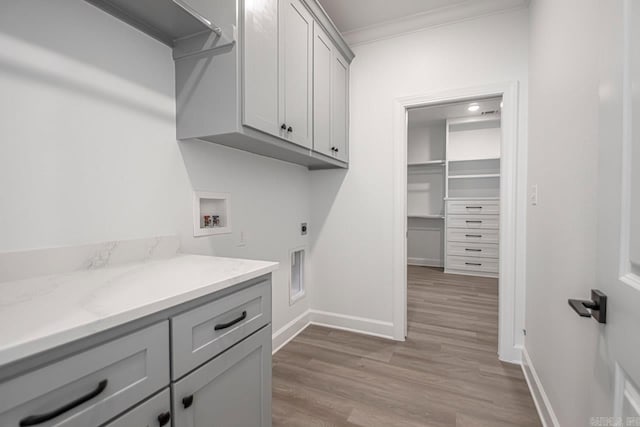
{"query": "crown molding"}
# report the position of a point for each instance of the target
(433, 18)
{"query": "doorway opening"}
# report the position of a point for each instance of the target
(456, 214)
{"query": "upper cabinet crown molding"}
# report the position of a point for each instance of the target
(245, 74)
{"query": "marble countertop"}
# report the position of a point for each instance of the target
(41, 313)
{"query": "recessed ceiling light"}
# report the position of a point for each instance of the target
(473, 107)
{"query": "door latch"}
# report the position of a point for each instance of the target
(596, 308)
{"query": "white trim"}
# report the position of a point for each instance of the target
(512, 211)
(471, 9)
(540, 398)
(359, 325)
(425, 262)
(282, 336)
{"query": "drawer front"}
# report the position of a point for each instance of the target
(91, 387)
(472, 235)
(464, 207)
(476, 250)
(155, 412)
(232, 390)
(474, 221)
(206, 331)
(472, 264)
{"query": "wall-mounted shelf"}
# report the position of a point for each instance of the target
(429, 163)
(165, 20)
(211, 213)
(483, 175)
(425, 216)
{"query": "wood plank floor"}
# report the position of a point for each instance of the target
(447, 373)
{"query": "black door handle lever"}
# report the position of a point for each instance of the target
(596, 308)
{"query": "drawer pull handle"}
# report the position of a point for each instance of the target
(33, 420)
(473, 235)
(187, 401)
(473, 250)
(473, 263)
(164, 418)
(233, 322)
(474, 207)
(469, 221)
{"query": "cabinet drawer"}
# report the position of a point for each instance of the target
(474, 221)
(91, 387)
(477, 250)
(232, 390)
(473, 207)
(204, 332)
(472, 235)
(472, 264)
(155, 412)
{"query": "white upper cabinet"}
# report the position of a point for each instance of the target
(246, 76)
(330, 97)
(340, 107)
(322, 69)
(260, 67)
(296, 61)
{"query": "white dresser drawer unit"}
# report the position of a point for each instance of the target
(482, 265)
(206, 331)
(471, 207)
(479, 250)
(92, 387)
(474, 221)
(472, 235)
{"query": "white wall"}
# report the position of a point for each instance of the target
(561, 235)
(89, 154)
(352, 215)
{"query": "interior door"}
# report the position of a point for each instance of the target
(296, 55)
(616, 374)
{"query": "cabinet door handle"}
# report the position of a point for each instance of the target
(474, 207)
(284, 126)
(477, 264)
(473, 250)
(164, 418)
(473, 235)
(187, 401)
(231, 323)
(337, 149)
(289, 129)
(33, 420)
(473, 221)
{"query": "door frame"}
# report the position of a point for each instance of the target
(513, 190)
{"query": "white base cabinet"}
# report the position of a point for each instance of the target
(219, 373)
(232, 390)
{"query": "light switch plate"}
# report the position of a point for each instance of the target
(533, 195)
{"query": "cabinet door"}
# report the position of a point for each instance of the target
(296, 48)
(340, 107)
(232, 390)
(260, 67)
(155, 412)
(322, 62)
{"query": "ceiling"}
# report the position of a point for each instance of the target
(366, 20)
(453, 110)
(349, 15)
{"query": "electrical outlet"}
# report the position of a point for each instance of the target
(533, 195)
(303, 228)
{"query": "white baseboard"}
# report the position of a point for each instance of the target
(282, 336)
(360, 325)
(514, 355)
(425, 262)
(543, 405)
